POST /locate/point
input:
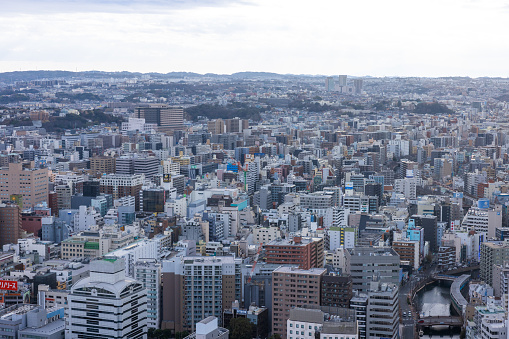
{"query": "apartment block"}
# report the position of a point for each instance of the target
(10, 224)
(305, 252)
(197, 287)
(148, 272)
(26, 180)
(293, 287)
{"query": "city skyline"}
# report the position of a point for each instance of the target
(449, 38)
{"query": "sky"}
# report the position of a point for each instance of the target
(320, 37)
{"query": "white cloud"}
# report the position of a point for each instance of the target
(393, 37)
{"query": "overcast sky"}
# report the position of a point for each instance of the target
(355, 37)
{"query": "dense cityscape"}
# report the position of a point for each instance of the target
(253, 205)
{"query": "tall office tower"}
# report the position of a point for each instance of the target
(102, 165)
(367, 263)
(216, 126)
(198, 287)
(10, 224)
(26, 180)
(64, 196)
(121, 185)
(293, 287)
(492, 253)
(166, 117)
(342, 80)
(383, 311)
(329, 84)
(252, 178)
(148, 272)
(357, 85)
(107, 304)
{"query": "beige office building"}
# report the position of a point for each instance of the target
(25, 180)
(102, 165)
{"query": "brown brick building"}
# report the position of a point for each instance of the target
(293, 287)
(305, 252)
(10, 224)
(336, 290)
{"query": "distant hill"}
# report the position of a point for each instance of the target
(9, 77)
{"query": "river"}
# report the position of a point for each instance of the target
(435, 300)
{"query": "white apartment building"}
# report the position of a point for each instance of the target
(148, 272)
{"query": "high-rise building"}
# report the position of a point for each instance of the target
(430, 226)
(357, 85)
(304, 252)
(383, 311)
(345, 237)
(10, 224)
(366, 264)
(166, 117)
(198, 287)
(336, 290)
(216, 126)
(483, 220)
(26, 180)
(236, 125)
(133, 164)
(492, 253)
(359, 303)
(122, 185)
(102, 165)
(64, 195)
(107, 304)
(329, 84)
(148, 272)
(147, 165)
(124, 165)
(293, 287)
(342, 80)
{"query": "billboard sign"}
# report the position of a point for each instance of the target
(8, 285)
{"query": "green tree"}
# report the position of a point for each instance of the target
(275, 336)
(180, 335)
(241, 328)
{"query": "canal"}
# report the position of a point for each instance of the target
(435, 300)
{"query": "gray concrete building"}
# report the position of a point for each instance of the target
(366, 264)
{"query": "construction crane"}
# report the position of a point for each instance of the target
(255, 261)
